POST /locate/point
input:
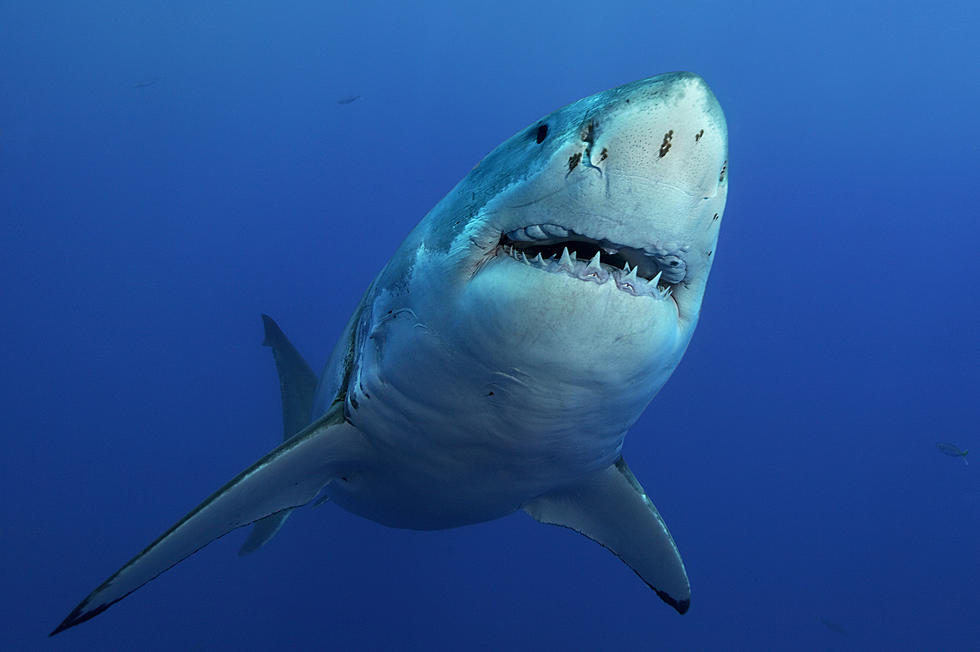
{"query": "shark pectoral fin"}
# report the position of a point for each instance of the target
(289, 476)
(611, 508)
(262, 531)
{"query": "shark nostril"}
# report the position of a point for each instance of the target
(674, 268)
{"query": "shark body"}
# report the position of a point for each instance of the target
(498, 360)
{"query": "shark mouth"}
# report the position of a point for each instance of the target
(556, 249)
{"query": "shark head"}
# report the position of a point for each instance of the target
(562, 278)
(600, 221)
(632, 181)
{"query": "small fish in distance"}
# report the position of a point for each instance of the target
(953, 451)
(837, 628)
(348, 99)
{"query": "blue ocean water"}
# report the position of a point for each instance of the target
(168, 171)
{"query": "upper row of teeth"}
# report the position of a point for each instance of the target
(538, 232)
(625, 279)
(547, 232)
(544, 232)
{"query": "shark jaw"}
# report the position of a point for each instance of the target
(631, 183)
(631, 270)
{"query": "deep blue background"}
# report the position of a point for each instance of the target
(143, 228)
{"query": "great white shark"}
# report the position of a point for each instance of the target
(499, 358)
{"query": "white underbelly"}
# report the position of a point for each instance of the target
(458, 440)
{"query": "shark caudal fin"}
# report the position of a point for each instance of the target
(611, 508)
(297, 384)
(289, 476)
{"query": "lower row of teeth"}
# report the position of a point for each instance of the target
(625, 279)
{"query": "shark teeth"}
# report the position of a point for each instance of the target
(538, 232)
(566, 262)
(594, 270)
(626, 279)
(555, 231)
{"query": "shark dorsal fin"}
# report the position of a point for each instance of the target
(297, 385)
(297, 382)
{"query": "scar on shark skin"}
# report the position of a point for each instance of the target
(573, 161)
(697, 136)
(665, 146)
(588, 133)
(588, 137)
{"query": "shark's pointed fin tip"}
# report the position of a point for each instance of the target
(249, 547)
(79, 615)
(680, 605)
(271, 331)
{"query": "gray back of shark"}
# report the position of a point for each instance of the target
(498, 360)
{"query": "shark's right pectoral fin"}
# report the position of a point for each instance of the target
(611, 508)
(289, 476)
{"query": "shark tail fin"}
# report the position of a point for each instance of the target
(611, 508)
(289, 476)
(297, 385)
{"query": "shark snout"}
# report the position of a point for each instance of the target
(669, 131)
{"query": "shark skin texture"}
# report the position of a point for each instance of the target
(498, 360)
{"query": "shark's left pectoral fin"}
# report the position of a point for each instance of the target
(289, 476)
(611, 508)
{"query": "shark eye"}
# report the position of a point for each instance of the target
(541, 134)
